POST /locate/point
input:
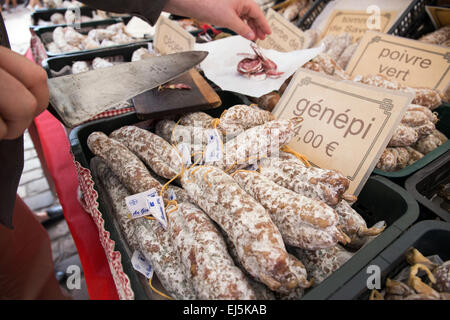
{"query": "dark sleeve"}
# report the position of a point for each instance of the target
(11, 162)
(11, 159)
(147, 9)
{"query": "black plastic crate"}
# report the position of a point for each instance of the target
(45, 33)
(429, 237)
(443, 125)
(426, 184)
(126, 51)
(45, 14)
(380, 199)
(307, 20)
(415, 21)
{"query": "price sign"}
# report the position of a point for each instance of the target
(171, 37)
(410, 62)
(285, 36)
(358, 22)
(346, 125)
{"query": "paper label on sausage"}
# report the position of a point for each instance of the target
(346, 125)
(137, 204)
(170, 37)
(214, 150)
(406, 61)
(141, 264)
(172, 195)
(156, 206)
(185, 152)
(285, 36)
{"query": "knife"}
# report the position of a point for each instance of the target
(77, 98)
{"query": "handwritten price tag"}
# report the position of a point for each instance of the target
(171, 37)
(346, 125)
(406, 61)
(285, 36)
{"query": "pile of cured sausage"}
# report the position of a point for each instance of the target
(244, 226)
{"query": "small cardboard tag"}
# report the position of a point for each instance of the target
(141, 264)
(285, 36)
(410, 62)
(440, 16)
(156, 206)
(213, 150)
(346, 125)
(172, 38)
(358, 22)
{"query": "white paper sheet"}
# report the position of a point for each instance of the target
(220, 66)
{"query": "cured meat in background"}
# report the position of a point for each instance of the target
(258, 66)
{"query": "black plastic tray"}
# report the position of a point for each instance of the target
(59, 62)
(85, 27)
(380, 199)
(45, 14)
(429, 237)
(305, 22)
(82, 154)
(443, 125)
(424, 186)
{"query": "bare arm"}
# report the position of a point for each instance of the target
(242, 16)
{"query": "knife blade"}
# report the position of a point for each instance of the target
(77, 98)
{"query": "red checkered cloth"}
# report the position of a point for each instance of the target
(111, 113)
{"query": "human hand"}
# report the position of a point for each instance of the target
(242, 16)
(23, 93)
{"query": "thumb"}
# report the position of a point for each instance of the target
(240, 27)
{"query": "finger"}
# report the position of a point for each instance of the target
(236, 24)
(259, 33)
(32, 76)
(17, 105)
(255, 13)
